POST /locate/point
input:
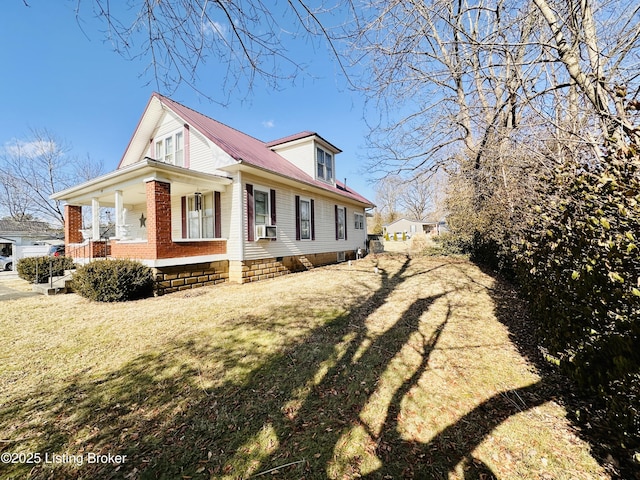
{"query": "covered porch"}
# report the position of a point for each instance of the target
(159, 212)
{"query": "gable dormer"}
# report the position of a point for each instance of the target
(309, 152)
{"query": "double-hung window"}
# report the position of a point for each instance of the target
(324, 165)
(261, 212)
(170, 149)
(341, 224)
(305, 220)
(359, 221)
(261, 202)
(200, 215)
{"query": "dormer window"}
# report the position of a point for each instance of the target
(324, 165)
(170, 149)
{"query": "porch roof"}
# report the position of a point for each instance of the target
(131, 179)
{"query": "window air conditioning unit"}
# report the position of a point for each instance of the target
(266, 231)
(341, 257)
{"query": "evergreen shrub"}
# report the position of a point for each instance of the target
(38, 269)
(114, 281)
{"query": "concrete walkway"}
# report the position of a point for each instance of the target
(8, 281)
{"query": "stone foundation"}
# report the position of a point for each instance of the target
(183, 277)
(265, 268)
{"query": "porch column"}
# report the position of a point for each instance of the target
(119, 213)
(72, 224)
(159, 214)
(95, 220)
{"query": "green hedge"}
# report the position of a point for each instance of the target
(44, 266)
(114, 281)
(452, 244)
(580, 266)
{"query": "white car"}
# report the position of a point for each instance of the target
(6, 263)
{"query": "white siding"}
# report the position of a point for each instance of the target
(233, 214)
(286, 244)
(132, 220)
(176, 217)
(302, 156)
(168, 125)
(205, 156)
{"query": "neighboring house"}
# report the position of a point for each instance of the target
(16, 234)
(410, 227)
(201, 202)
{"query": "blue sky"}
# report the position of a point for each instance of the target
(69, 80)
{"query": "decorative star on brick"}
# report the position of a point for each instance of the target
(143, 221)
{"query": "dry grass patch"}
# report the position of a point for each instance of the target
(334, 373)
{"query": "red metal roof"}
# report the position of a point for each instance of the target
(290, 138)
(249, 150)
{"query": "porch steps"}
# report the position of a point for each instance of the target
(307, 264)
(56, 285)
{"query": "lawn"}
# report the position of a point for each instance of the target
(339, 372)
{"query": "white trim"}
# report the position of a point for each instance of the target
(344, 230)
(174, 261)
(147, 169)
(242, 225)
(187, 240)
(129, 242)
(95, 219)
(203, 195)
(267, 190)
(162, 141)
(324, 178)
(308, 200)
(156, 178)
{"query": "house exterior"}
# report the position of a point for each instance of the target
(202, 203)
(410, 227)
(16, 236)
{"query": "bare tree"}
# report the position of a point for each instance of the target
(462, 76)
(15, 199)
(388, 191)
(249, 39)
(36, 167)
(496, 92)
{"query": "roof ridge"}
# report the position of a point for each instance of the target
(288, 138)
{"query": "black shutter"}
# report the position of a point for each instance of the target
(337, 228)
(313, 222)
(217, 221)
(183, 208)
(250, 232)
(298, 235)
(346, 223)
(272, 195)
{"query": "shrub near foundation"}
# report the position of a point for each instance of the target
(38, 269)
(114, 281)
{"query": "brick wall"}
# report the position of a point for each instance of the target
(159, 242)
(72, 224)
(158, 215)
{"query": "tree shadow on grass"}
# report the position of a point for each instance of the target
(512, 311)
(289, 417)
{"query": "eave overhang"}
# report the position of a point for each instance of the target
(311, 186)
(132, 177)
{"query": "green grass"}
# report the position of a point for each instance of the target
(334, 373)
